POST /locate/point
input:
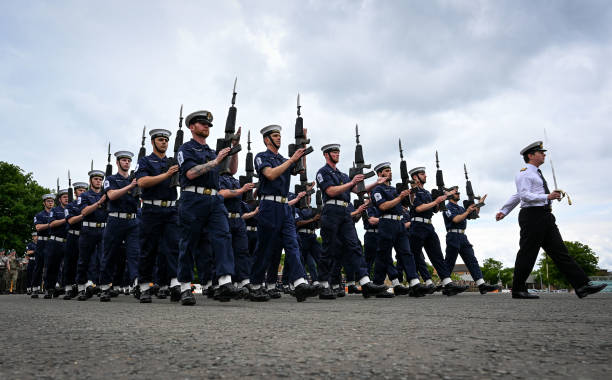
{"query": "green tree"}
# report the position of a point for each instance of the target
(20, 200)
(491, 270)
(584, 256)
(506, 276)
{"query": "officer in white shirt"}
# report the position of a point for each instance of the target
(538, 228)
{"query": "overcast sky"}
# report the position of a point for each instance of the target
(475, 80)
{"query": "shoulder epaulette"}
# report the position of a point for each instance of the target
(523, 169)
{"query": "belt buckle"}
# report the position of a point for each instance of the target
(164, 203)
(283, 199)
(206, 191)
(98, 225)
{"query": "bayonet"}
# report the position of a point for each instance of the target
(91, 168)
(234, 91)
(299, 107)
(249, 140)
(401, 150)
(357, 133)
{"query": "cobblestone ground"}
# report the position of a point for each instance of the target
(466, 336)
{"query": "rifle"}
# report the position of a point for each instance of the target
(471, 197)
(250, 171)
(230, 135)
(70, 193)
(406, 181)
(300, 166)
(441, 190)
(178, 141)
(109, 167)
(136, 191)
(357, 168)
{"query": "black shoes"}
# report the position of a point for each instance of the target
(175, 293)
(210, 292)
(485, 288)
(303, 291)
(525, 295)
(400, 290)
(34, 294)
(353, 289)
(420, 290)
(371, 289)
(589, 288)
(385, 294)
(48, 294)
(327, 294)
(187, 298)
(452, 289)
(429, 289)
(340, 292)
(114, 292)
(226, 292)
(145, 296)
(274, 293)
(162, 294)
(105, 296)
(70, 294)
(259, 295)
(83, 296)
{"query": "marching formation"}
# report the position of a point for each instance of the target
(130, 231)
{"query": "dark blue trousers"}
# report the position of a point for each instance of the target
(275, 231)
(393, 234)
(199, 214)
(337, 224)
(311, 253)
(30, 269)
(370, 247)
(272, 272)
(53, 256)
(90, 250)
(423, 235)
(41, 247)
(116, 232)
(159, 236)
(240, 247)
(119, 272)
(71, 258)
(459, 244)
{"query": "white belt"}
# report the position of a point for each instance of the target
(43, 238)
(249, 228)
(159, 202)
(392, 217)
(122, 215)
(336, 202)
(419, 219)
(94, 225)
(306, 231)
(275, 198)
(74, 232)
(372, 230)
(57, 238)
(200, 190)
(457, 231)
(233, 215)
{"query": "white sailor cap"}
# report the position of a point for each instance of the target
(160, 133)
(124, 154)
(48, 196)
(416, 170)
(270, 128)
(204, 117)
(330, 148)
(381, 166)
(533, 147)
(80, 185)
(62, 192)
(96, 173)
(34, 233)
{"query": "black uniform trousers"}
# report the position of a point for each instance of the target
(538, 229)
(71, 258)
(159, 235)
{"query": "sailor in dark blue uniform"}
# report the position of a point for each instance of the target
(159, 229)
(406, 216)
(249, 215)
(455, 220)
(54, 252)
(231, 191)
(370, 243)
(276, 224)
(423, 235)
(392, 234)
(31, 255)
(92, 204)
(201, 209)
(41, 223)
(71, 253)
(121, 225)
(307, 223)
(337, 224)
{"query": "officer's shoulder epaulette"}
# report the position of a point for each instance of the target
(523, 169)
